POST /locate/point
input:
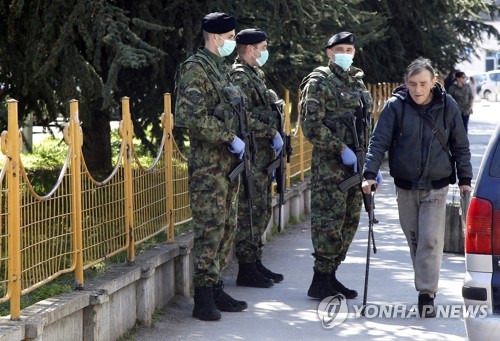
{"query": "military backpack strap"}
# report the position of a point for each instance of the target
(247, 71)
(206, 63)
(240, 68)
(321, 72)
(210, 69)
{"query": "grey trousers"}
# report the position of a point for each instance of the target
(422, 215)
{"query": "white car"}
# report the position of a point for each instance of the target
(481, 287)
(480, 78)
(490, 89)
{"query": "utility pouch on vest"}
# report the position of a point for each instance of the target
(340, 130)
(223, 112)
(231, 92)
(263, 114)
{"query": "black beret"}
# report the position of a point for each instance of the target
(251, 36)
(340, 38)
(218, 22)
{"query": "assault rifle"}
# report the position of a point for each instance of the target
(245, 166)
(349, 121)
(278, 165)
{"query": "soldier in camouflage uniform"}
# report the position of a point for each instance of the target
(328, 93)
(202, 106)
(463, 95)
(251, 45)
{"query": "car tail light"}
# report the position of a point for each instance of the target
(496, 233)
(478, 227)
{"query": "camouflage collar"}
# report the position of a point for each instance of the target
(352, 72)
(255, 70)
(217, 59)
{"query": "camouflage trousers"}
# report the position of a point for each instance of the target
(248, 250)
(334, 220)
(214, 211)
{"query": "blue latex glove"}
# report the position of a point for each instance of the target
(237, 147)
(349, 158)
(277, 143)
(379, 178)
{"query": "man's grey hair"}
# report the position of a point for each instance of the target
(418, 65)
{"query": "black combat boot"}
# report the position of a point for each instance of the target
(348, 293)
(268, 273)
(426, 306)
(204, 306)
(224, 302)
(249, 276)
(321, 286)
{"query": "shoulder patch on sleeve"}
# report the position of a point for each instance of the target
(312, 105)
(193, 95)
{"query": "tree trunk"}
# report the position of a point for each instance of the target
(97, 142)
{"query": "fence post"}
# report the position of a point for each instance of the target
(301, 139)
(74, 139)
(287, 130)
(11, 140)
(167, 122)
(127, 133)
(301, 152)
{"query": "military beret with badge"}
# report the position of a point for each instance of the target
(218, 23)
(251, 36)
(340, 38)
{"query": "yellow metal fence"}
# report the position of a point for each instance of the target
(82, 221)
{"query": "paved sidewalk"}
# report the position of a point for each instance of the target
(285, 312)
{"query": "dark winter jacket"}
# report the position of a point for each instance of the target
(417, 160)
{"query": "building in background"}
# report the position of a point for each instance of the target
(488, 52)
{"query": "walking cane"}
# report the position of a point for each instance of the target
(369, 201)
(464, 205)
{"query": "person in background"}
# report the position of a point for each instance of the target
(421, 168)
(473, 86)
(449, 79)
(463, 95)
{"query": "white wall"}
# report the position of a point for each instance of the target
(478, 64)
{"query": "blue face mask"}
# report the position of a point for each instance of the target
(227, 48)
(263, 57)
(344, 60)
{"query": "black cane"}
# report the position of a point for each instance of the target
(369, 200)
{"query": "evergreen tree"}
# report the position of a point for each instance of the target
(439, 30)
(298, 30)
(98, 51)
(53, 51)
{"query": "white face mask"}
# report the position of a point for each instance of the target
(227, 48)
(344, 60)
(263, 57)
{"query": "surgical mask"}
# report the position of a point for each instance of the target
(227, 48)
(344, 60)
(263, 57)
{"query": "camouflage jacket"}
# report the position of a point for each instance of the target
(252, 83)
(200, 91)
(327, 95)
(463, 96)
